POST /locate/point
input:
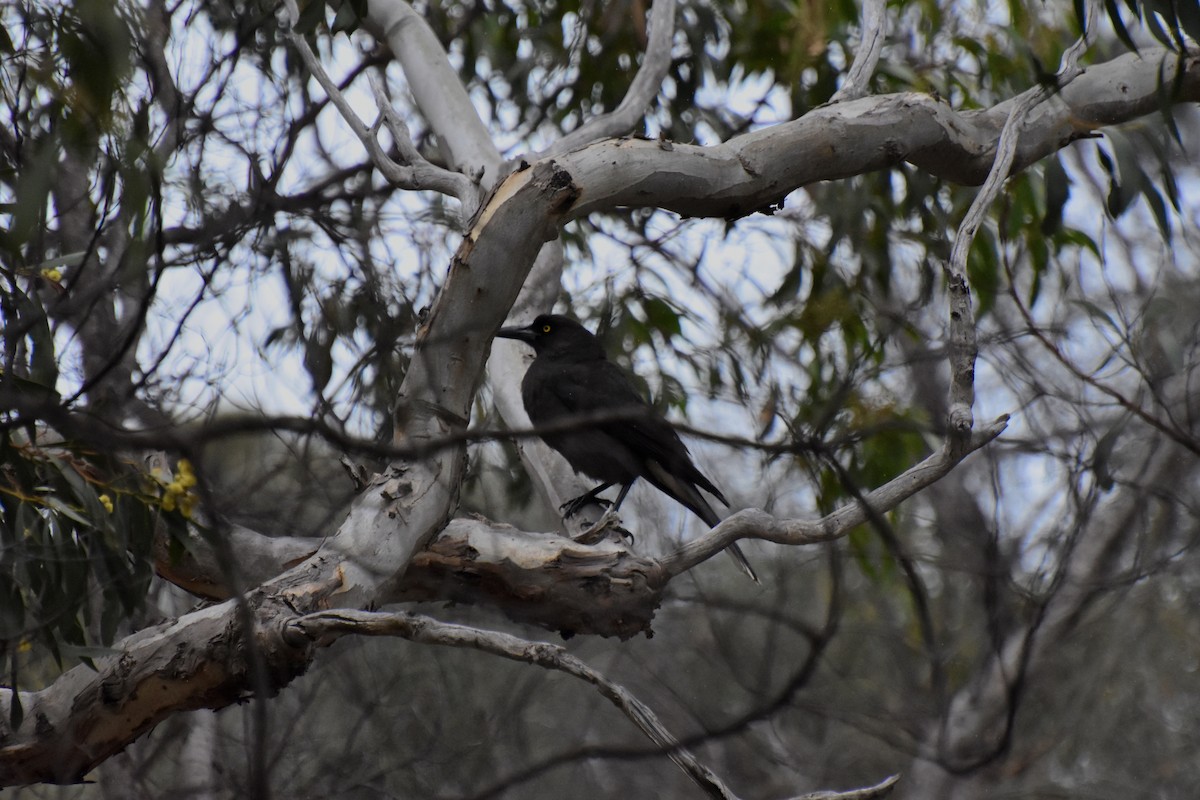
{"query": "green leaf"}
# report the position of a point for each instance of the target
(661, 317)
(346, 20)
(312, 14)
(1097, 313)
(65, 260)
(1125, 173)
(12, 607)
(1114, 16)
(16, 711)
(1167, 11)
(68, 512)
(1102, 456)
(1058, 190)
(983, 269)
(318, 360)
(1189, 17)
(86, 653)
(1081, 17)
(1159, 209)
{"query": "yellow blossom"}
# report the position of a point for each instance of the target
(107, 502)
(52, 275)
(187, 478)
(176, 489)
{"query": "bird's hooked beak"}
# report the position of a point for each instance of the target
(525, 334)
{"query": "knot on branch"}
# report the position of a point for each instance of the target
(962, 421)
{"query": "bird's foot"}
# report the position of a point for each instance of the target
(598, 529)
(573, 507)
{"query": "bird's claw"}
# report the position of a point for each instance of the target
(597, 530)
(573, 507)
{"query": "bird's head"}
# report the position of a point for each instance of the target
(556, 336)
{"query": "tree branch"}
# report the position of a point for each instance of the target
(1168, 427)
(200, 661)
(963, 345)
(754, 524)
(978, 724)
(642, 91)
(424, 630)
(203, 659)
(438, 92)
(757, 170)
(418, 173)
(874, 31)
(322, 626)
(198, 569)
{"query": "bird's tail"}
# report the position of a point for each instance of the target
(690, 496)
(744, 565)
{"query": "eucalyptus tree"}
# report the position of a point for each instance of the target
(246, 241)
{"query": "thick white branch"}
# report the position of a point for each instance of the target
(757, 170)
(443, 101)
(437, 90)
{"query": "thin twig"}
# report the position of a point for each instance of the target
(426, 630)
(396, 125)
(756, 524)
(641, 93)
(964, 345)
(1173, 432)
(418, 174)
(323, 625)
(873, 19)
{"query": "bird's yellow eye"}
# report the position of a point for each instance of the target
(545, 329)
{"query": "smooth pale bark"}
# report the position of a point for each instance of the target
(204, 660)
(756, 171)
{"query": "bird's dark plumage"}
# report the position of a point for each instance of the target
(572, 378)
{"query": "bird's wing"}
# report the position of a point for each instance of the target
(601, 386)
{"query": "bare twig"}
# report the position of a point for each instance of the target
(425, 630)
(642, 90)
(1172, 431)
(439, 93)
(873, 25)
(418, 174)
(756, 524)
(87, 427)
(881, 789)
(323, 625)
(396, 125)
(963, 344)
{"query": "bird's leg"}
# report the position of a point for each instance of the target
(573, 507)
(621, 495)
(595, 532)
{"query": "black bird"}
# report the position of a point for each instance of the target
(570, 378)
